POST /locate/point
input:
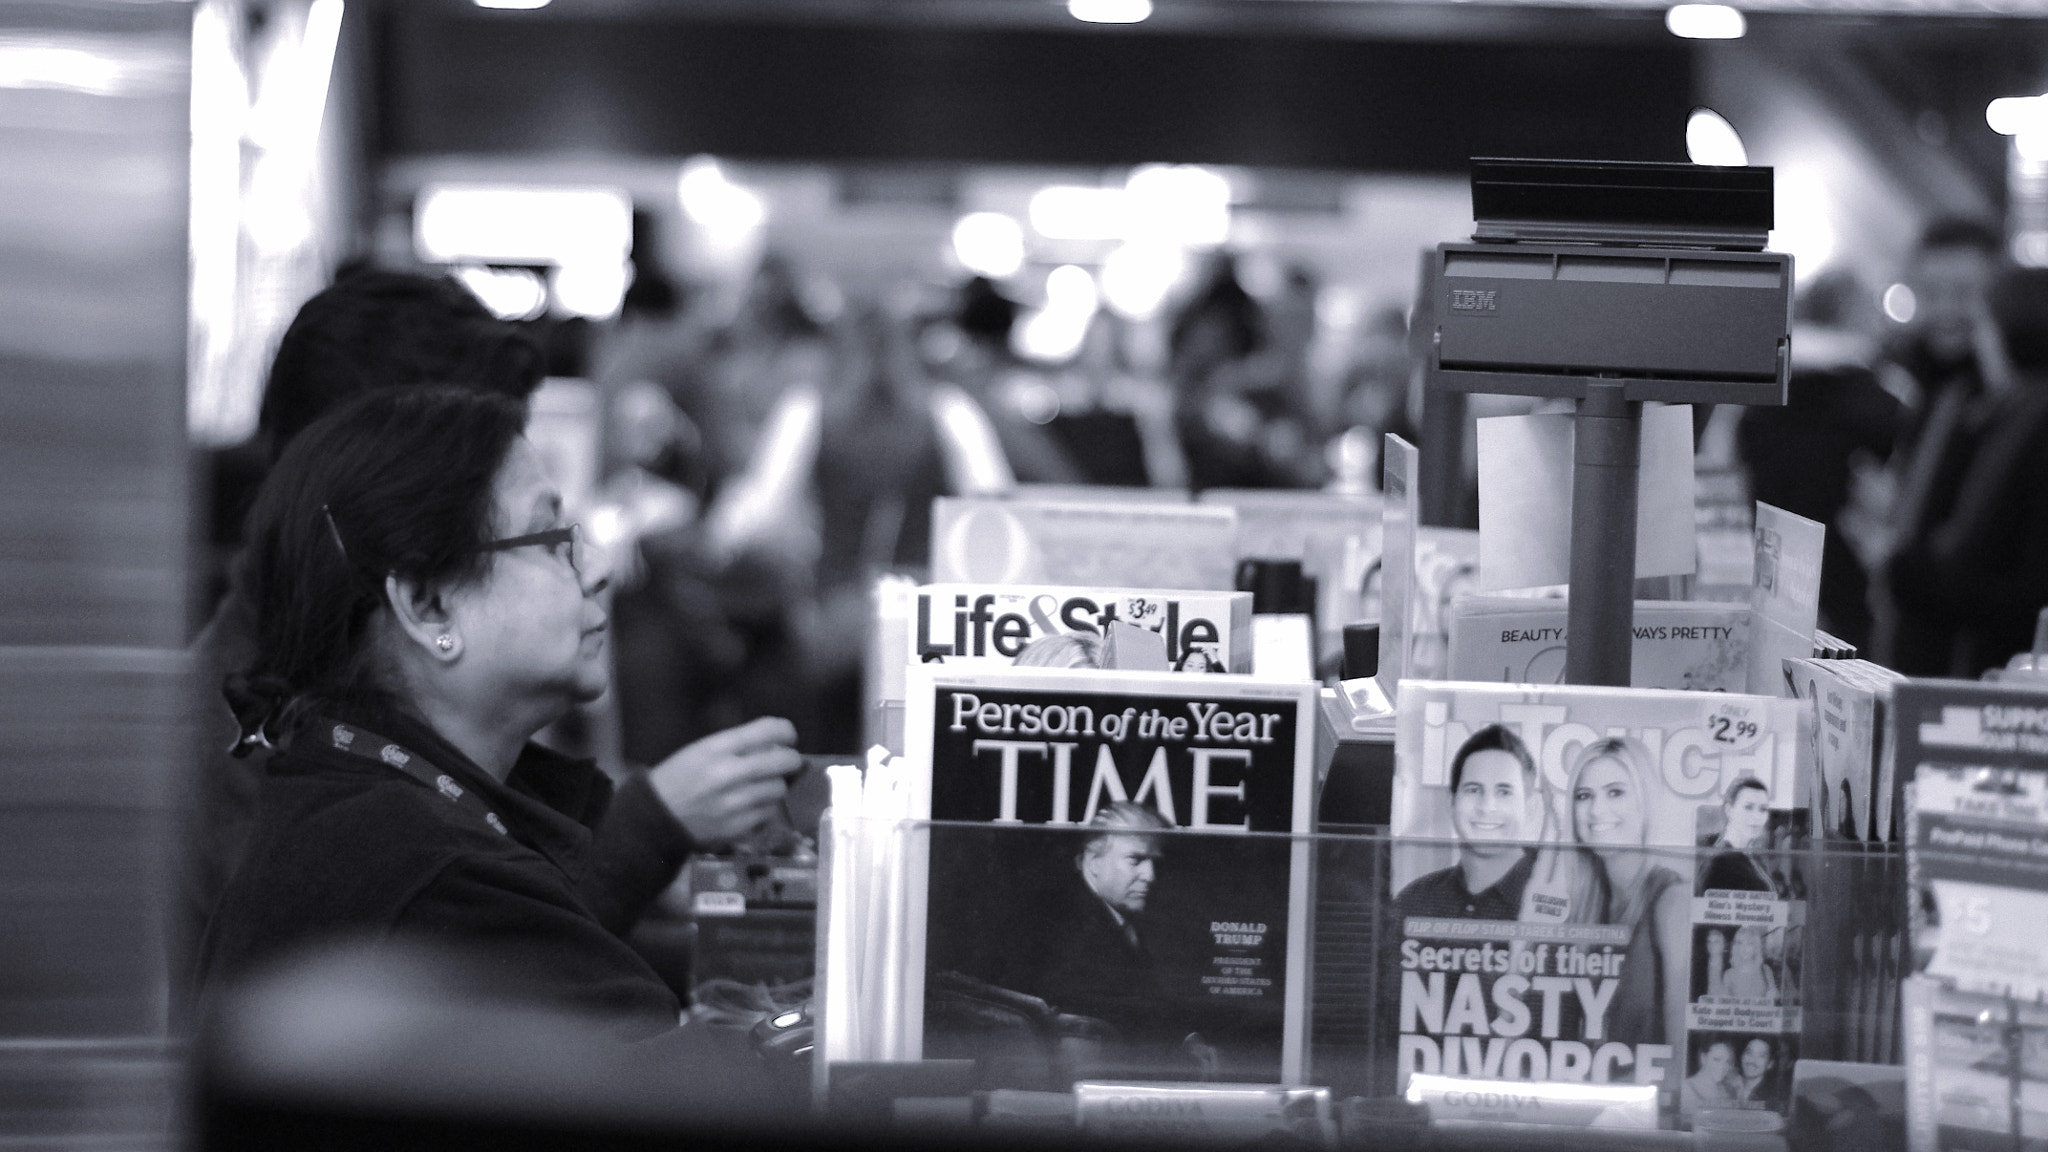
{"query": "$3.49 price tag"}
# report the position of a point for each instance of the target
(1733, 726)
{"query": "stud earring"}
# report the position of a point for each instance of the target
(445, 642)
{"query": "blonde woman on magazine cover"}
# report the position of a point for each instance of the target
(1747, 977)
(1627, 887)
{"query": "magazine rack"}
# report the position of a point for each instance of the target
(1845, 962)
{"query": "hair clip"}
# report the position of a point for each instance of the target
(335, 531)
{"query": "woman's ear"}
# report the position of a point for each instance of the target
(422, 615)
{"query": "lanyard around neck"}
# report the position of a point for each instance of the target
(364, 744)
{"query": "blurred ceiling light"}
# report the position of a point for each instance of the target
(1069, 286)
(1171, 203)
(1137, 277)
(1054, 333)
(1705, 22)
(1182, 202)
(2025, 119)
(592, 288)
(1900, 305)
(510, 293)
(1078, 212)
(989, 244)
(715, 202)
(1110, 11)
(2030, 249)
(728, 214)
(1805, 223)
(515, 224)
(1711, 139)
(725, 234)
(2012, 115)
(47, 62)
(516, 5)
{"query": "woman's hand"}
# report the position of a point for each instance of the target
(729, 783)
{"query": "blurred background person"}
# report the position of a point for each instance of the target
(772, 342)
(1935, 349)
(1935, 362)
(658, 340)
(969, 352)
(1374, 400)
(1837, 422)
(1236, 373)
(1970, 574)
(711, 603)
(1114, 419)
(672, 644)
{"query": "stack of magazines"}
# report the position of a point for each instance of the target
(1975, 758)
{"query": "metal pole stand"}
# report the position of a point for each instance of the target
(1605, 462)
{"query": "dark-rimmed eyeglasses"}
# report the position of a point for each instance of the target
(565, 542)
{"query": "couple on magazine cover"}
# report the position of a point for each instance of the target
(1732, 1072)
(1600, 874)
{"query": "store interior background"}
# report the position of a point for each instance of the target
(176, 177)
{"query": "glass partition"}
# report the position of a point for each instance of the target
(1415, 980)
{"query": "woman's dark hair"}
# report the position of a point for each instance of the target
(376, 329)
(1741, 785)
(400, 482)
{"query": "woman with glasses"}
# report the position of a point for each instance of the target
(422, 610)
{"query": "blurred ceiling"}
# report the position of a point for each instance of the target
(687, 78)
(1367, 17)
(1350, 85)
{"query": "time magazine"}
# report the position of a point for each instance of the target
(1112, 890)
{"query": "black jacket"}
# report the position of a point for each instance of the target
(1093, 969)
(345, 847)
(1976, 562)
